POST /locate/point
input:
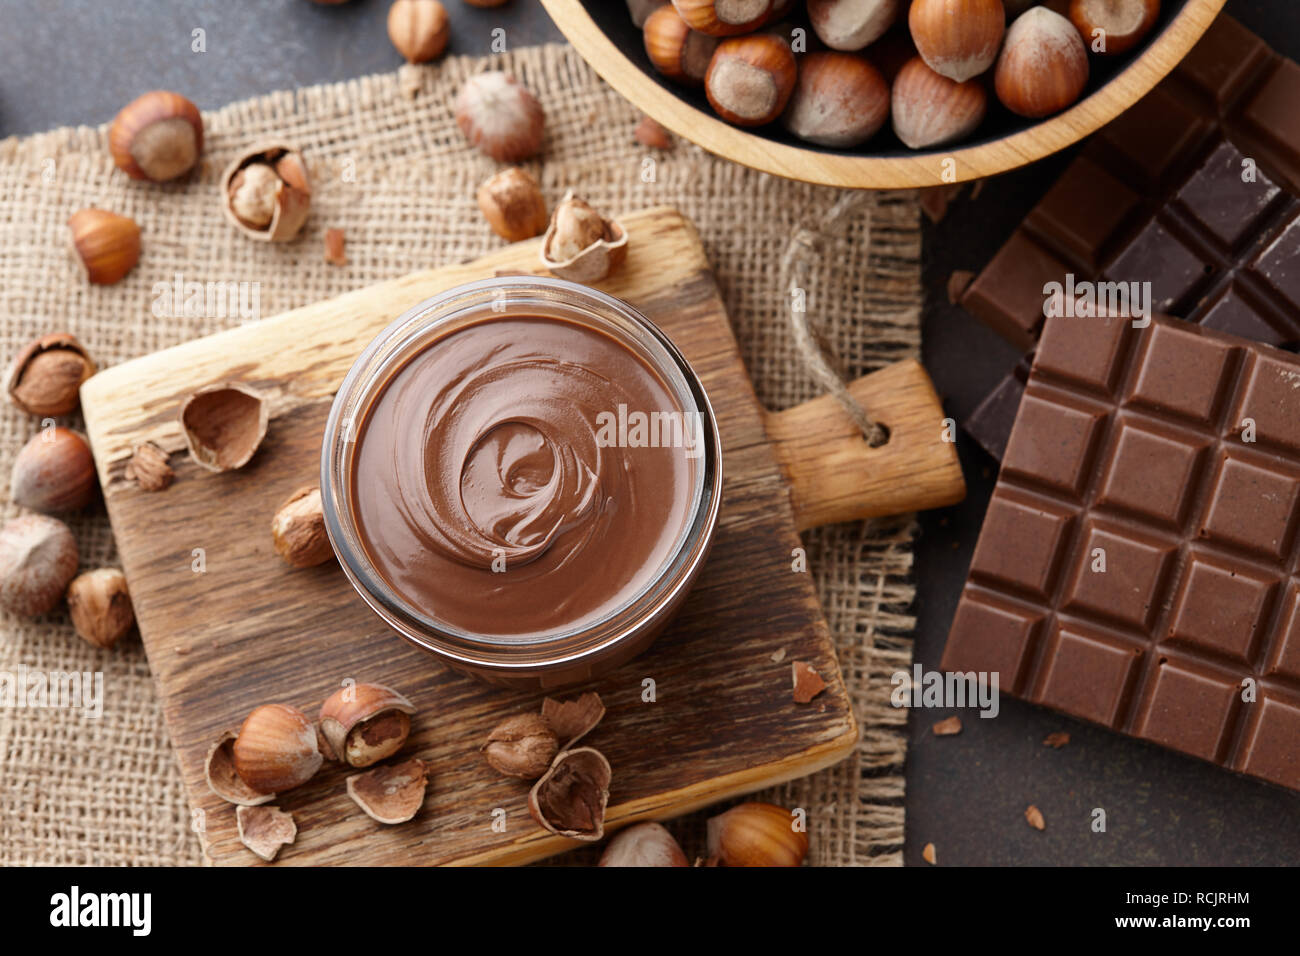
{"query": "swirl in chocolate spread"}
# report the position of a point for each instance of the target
(485, 495)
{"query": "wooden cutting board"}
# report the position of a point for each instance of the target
(248, 630)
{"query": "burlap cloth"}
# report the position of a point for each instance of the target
(107, 791)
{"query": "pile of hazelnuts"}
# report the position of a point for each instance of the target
(931, 65)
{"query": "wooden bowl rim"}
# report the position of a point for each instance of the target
(884, 172)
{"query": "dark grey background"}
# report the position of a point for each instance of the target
(79, 61)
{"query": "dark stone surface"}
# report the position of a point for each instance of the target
(79, 61)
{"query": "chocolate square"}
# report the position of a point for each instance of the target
(1053, 443)
(1004, 640)
(1286, 654)
(1225, 203)
(1118, 575)
(1151, 471)
(1270, 750)
(1181, 372)
(1084, 351)
(1008, 293)
(1155, 256)
(1271, 400)
(1088, 674)
(1024, 546)
(1276, 263)
(1083, 210)
(1189, 709)
(1252, 506)
(1219, 607)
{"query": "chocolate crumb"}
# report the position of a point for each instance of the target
(334, 244)
(947, 727)
(1035, 817)
(1056, 740)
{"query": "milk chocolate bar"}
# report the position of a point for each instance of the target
(1138, 565)
(1196, 190)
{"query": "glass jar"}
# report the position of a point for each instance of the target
(565, 655)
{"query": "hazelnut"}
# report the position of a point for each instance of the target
(958, 39)
(219, 769)
(267, 193)
(929, 109)
(721, 18)
(45, 377)
(750, 79)
(335, 244)
(649, 132)
(264, 830)
(419, 29)
(1044, 64)
(1110, 27)
(646, 844)
(298, 530)
(521, 746)
(675, 50)
(276, 749)
(390, 795)
(158, 136)
(100, 606)
(500, 116)
(53, 472)
(640, 10)
(756, 834)
(839, 100)
(148, 467)
(512, 203)
(38, 557)
(570, 799)
(224, 425)
(362, 724)
(573, 719)
(580, 244)
(107, 244)
(851, 24)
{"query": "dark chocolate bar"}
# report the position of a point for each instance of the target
(1196, 189)
(1138, 565)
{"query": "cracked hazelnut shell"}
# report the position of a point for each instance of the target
(158, 136)
(298, 530)
(521, 746)
(573, 719)
(580, 244)
(266, 193)
(570, 799)
(38, 558)
(362, 724)
(54, 472)
(45, 377)
(148, 467)
(276, 749)
(219, 770)
(100, 606)
(265, 830)
(391, 794)
(224, 425)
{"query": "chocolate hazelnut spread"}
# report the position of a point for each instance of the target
(523, 476)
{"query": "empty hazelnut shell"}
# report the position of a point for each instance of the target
(45, 377)
(580, 244)
(363, 724)
(266, 193)
(390, 794)
(264, 830)
(573, 719)
(224, 424)
(219, 768)
(570, 799)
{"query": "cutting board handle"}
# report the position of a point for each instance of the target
(834, 475)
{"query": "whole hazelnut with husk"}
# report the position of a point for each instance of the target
(38, 558)
(958, 39)
(929, 109)
(100, 606)
(419, 29)
(276, 749)
(157, 136)
(840, 100)
(390, 794)
(1116, 26)
(573, 719)
(266, 193)
(646, 844)
(54, 472)
(726, 17)
(511, 201)
(219, 769)
(264, 830)
(224, 425)
(570, 799)
(362, 724)
(580, 244)
(756, 834)
(500, 116)
(148, 467)
(675, 50)
(1043, 67)
(850, 25)
(750, 79)
(522, 746)
(45, 376)
(106, 244)
(298, 530)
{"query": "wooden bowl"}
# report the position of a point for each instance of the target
(603, 33)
